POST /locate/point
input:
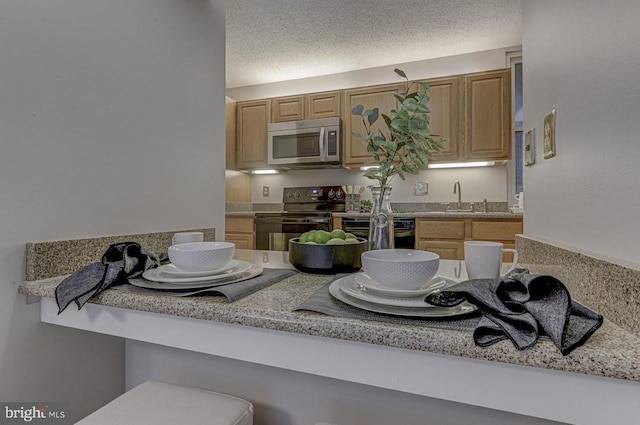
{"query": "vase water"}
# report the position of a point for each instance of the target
(381, 219)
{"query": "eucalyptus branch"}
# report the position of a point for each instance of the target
(408, 148)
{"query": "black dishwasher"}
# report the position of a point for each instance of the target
(404, 230)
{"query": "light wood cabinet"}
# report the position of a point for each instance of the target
(445, 105)
(304, 107)
(472, 112)
(487, 126)
(324, 104)
(446, 236)
(241, 231)
(382, 97)
(288, 108)
(252, 119)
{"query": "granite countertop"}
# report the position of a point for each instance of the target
(417, 214)
(610, 352)
(439, 214)
(250, 214)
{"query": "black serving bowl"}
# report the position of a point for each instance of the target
(318, 258)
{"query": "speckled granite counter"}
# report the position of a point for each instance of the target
(440, 214)
(597, 383)
(611, 351)
(240, 214)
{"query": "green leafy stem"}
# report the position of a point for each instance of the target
(409, 145)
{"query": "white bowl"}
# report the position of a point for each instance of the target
(201, 256)
(406, 269)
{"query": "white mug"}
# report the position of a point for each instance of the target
(483, 260)
(186, 237)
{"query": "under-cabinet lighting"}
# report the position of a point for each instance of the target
(368, 167)
(463, 164)
(269, 171)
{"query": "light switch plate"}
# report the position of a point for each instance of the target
(529, 147)
(550, 135)
(421, 188)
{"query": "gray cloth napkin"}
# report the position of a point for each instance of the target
(322, 302)
(120, 262)
(522, 307)
(232, 291)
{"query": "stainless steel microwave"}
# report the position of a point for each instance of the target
(305, 144)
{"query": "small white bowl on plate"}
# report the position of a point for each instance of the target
(366, 284)
(201, 256)
(406, 269)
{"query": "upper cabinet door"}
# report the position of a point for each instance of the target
(488, 115)
(287, 109)
(444, 103)
(251, 133)
(324, 105)
(381, 97)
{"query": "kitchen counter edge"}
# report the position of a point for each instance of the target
(611, 352)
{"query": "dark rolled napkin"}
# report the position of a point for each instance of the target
(119, 263)
(522, 307)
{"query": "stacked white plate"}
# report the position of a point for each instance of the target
(361, 291)
(169, 276)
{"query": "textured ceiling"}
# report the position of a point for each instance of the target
(277, 40)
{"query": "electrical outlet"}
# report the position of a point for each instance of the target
(265, 191)
(421, 188)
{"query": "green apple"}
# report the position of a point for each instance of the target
(322, 236)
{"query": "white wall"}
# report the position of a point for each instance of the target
(477, 184)
(111, 122)
(581, 58)
(285, 397)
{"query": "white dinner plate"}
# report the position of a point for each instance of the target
(247, 274)
(170, 270)
(350, 287)
(375, 288)
(157, 276)
(461, 309)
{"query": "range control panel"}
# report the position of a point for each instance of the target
(313, 194)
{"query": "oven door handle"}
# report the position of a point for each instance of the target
(301, 221)
(306, 221)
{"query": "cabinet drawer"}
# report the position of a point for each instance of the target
(441, 229)
(495, 230)
(242, 241)
(239, 225)
(445, 249)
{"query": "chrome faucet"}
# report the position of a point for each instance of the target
(458, 190)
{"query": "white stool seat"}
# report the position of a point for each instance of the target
(159, 403)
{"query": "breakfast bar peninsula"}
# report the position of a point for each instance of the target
(266, 328)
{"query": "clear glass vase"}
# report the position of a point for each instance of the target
(381, 220)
